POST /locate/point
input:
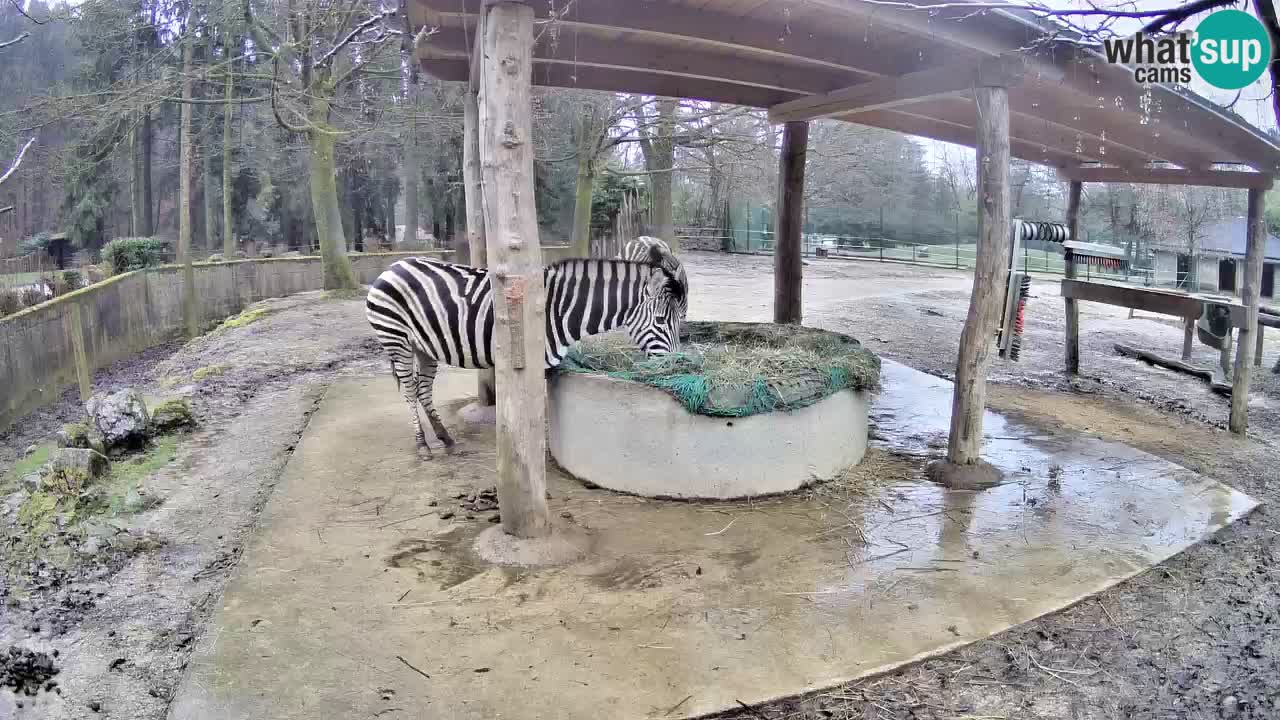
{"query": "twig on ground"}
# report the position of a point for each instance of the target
(675, 707)
(411, 667)
(751, 710)
(721, 530)
(415, 517)
(405, 595)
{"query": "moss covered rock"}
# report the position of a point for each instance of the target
(172, 416)
(81, 435)
(71, 471)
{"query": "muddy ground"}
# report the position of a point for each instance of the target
(1198, 637)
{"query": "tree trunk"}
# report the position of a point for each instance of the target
(1249, 296)
(185, 171)
(211, 181)
(338, 274)
(1069, 271)
(473, 199)
(412, 171)
(228, 113)
(144, 219)
(511, 227)
(969, 401)
(788, 245)
(581, 236)
(660, 160)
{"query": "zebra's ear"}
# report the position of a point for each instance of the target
(656, 256)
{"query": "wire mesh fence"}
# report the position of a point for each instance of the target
(961, 254)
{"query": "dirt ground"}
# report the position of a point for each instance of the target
(1198, 637)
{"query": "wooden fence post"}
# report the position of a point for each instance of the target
(788, 271)
(474, 198)
(1069, 272)
(75, 328)
(1254, 253)
(515, 261)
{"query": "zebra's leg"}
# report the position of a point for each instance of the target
(407, 379)
(426, 379)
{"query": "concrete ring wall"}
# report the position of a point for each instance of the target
(637, 439)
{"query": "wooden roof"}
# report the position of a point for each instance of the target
(1071, 110)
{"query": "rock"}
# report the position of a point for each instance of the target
(81, 435)
(171, 416)
(121, 417)
(292, 254)
(71, 470)
(31, 449)
(32, 481)
(73, 435)
(216, 257)
(1230, 706)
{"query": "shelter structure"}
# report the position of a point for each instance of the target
(1001, 81)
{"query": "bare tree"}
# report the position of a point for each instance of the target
(16, 161)
(324, 48)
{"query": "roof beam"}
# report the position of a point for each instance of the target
(1169, 176)
(962, 111)
(875, 55)
(644, 53)
(959, 134)
(618, 79)
(887, 92)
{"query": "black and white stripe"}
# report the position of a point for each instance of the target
(426, 312)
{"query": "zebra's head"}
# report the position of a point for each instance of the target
(655, 324)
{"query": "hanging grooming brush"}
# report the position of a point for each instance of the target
(1011, 326)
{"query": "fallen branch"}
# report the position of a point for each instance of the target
(1176, 365)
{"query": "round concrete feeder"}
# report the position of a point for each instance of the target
(634, 438)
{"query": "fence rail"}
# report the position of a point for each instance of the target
(957, 255)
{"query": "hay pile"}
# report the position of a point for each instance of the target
(737, 369)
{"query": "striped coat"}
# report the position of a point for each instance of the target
(425, 312)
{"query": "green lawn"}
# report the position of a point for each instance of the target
(25, 278)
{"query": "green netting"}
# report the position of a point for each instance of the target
(736, 369)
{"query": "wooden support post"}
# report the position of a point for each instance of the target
(75, 328)
(515, 261)
(1069, 271)
(1254, 252)
(474, 200)
(1257, 350)
(969, 400)
(1188, 336)
(788, 223)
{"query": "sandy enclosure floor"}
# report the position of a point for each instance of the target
(1199, 637)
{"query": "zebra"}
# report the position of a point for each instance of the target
(642, 250)
(427, 312)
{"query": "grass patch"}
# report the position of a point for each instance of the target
(124, 487)
(32, 462)
(209, 371)
(248, 316)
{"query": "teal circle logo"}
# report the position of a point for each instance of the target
(1232, 49)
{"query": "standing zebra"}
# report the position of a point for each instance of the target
(431, 312)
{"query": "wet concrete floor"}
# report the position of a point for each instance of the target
(361, 595)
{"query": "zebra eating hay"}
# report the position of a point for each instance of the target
(427, 312)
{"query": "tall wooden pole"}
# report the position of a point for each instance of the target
(1069, 271)
(1254, 252)
(969, 399)
(474, 200)
(788, 224)
(515, 261)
